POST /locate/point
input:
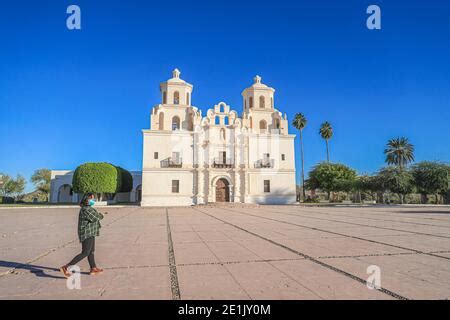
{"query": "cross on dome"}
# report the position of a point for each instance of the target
(257, 79)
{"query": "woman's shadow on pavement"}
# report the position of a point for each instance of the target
(38, 271)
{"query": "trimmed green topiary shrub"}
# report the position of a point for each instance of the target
(98, 178)
(126, 180)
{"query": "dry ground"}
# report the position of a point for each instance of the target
(231, 252)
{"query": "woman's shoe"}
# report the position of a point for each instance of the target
(65, 272)
(95, 271)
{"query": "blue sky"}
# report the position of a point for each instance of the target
(68, 97)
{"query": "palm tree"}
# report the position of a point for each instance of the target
(326, 132)
(299, 123)
(399, 152)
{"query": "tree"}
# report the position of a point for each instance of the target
(41, 179)
(397, 180)
(326, 132)
(18, 185)
(431, 178)
(399, 152)
(331, 177)
(126, 179)
(299, 123)
(99, 178)
(10, 186)
(4, 179)
(368, 184)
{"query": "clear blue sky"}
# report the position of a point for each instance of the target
(68, 97)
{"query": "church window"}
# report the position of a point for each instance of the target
(161, 121)
(176, 97)
(262, 126)
(262, 102)
(277, 123)
(175, 186)
(175, 123)
(266, 185)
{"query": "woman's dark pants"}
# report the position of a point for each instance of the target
(87, 250)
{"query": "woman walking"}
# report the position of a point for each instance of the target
(88, 228)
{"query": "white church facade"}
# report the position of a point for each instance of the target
(190, 158)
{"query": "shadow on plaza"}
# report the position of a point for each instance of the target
(426, 212)
(38, 271)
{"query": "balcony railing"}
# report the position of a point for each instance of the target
(172, 163)
(222, 163)
(264, 163)
(275, 131)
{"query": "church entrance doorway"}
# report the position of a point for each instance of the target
(222, 190)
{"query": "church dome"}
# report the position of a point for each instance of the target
(176, 91)
(258, 96)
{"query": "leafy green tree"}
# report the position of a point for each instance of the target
(41, 179)
(299, 123)
(126, 180)
(326, 132)
(367, 184)
(4, 180)
(331, 177)
(19, 185)
(399, 152)
(10, 186)
(397, 180)
(100, 178)
(13, 187)
(431, 178)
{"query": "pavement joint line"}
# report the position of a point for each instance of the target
(269, 261)
(174, 285)
(44, 254)
(228, 271)
(369, 255)
(321, 263)
(296, 281)
(253, 261)
(384, 213)
(203, 263)
(362, 225)
(381, 215)
(374, 219)
(342, 234)
(280, 270)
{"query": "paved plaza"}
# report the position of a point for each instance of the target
(231, 252)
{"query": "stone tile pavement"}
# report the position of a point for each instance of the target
(231, 252)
